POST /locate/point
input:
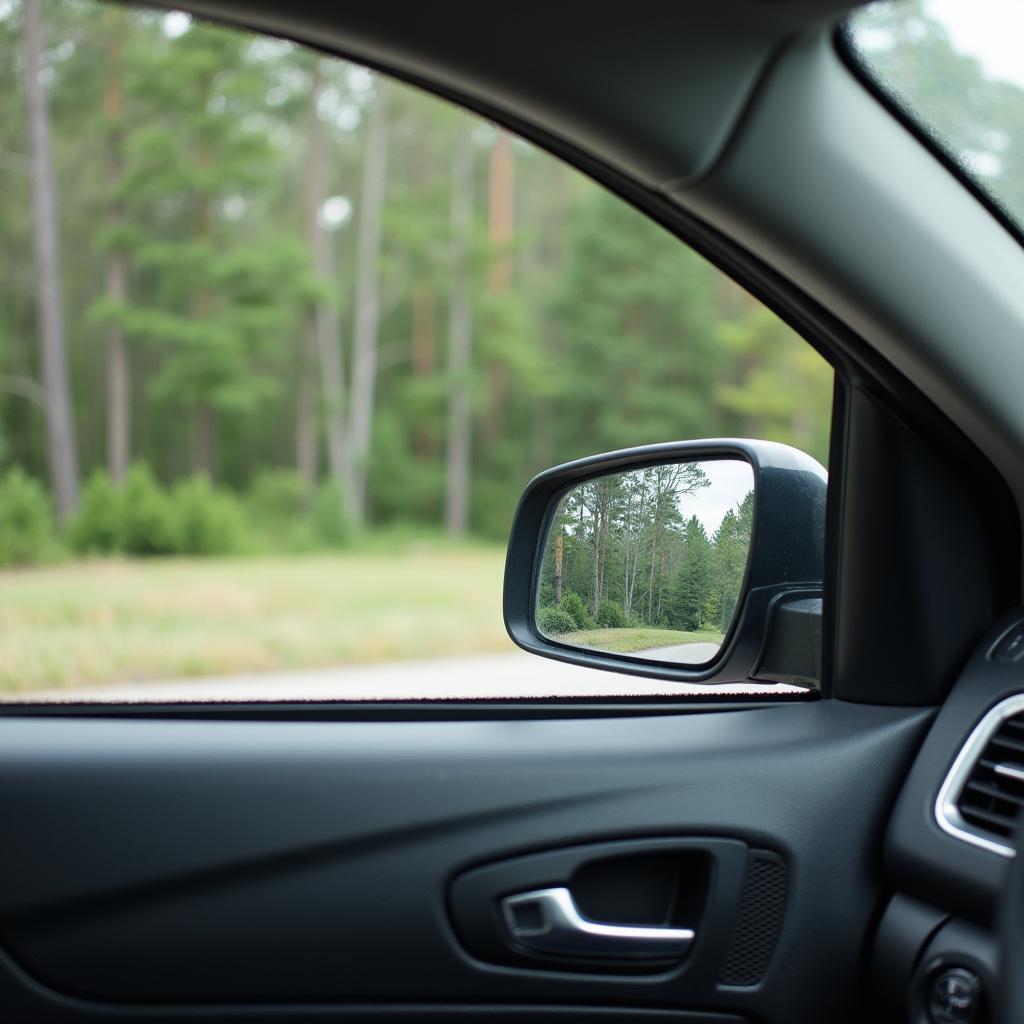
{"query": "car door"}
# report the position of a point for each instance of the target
(356, 861)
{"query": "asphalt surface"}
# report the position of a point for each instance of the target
(680, 654)
(509, 675)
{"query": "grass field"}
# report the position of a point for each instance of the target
(625, 641)
(107, 621)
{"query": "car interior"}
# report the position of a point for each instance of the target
(847, 853)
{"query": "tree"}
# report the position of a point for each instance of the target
(694, 579)
(459, 340)
(732, 547)
(217, 302)
(62, 451)
(367, 304)
(322, 339)
(501, 231)
(118, 381)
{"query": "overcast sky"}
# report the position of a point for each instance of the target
(731, 480)
(991, 30)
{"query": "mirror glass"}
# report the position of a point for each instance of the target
(649, 563)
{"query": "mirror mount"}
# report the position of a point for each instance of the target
(786, 558)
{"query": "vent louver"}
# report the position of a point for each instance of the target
(994, 792)
(982, 798)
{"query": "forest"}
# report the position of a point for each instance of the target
(623, 553)
(257, 297)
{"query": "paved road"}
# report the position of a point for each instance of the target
(680, 654)
(512, 674)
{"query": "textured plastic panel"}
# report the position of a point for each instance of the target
(762, 907)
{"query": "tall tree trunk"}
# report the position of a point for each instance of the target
(423, 359)
(204, 416)
(501, 216)
(305, 407)
(559, 556)
(460, 341)
(323, 323)
(306, 447)
(367, 312)
(118, 378)
(60, 427)
(424, 309)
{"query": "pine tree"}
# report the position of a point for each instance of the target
(694, 579)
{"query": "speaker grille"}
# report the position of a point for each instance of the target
(758, 921)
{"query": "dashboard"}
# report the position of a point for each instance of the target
(950, 842)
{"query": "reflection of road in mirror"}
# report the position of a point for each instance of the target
(693, 653)
(681, 654)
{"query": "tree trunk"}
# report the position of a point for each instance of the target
(306, 397)
(559, 555)
(501, 217)
(323, 321)
(305, 407)
(118, 378)
(423, 359)
(460, 341)
(60, 427)
(367, 313)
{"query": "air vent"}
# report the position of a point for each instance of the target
(982, 797)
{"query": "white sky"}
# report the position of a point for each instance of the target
(731, 480)
(991, 30)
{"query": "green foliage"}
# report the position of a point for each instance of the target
(206, 521)
(573, 606)
(611, 616)
(98, 526)
(553, 621)
(287, 518)
(26, 519)
(694, 580)
(277, 505)
(331, 524)
(147, 516)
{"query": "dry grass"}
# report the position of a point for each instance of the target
(108, 621)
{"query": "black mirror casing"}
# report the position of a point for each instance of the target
(786, 551)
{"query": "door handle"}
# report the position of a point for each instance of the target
(548, 921)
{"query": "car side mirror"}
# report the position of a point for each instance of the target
(698, 561)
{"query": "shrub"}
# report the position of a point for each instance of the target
(147, 520)
(277, 498)
(330, 521)
(97, 527)
(555, 620)
(26, 519)
(611, 616)
(278, 507)
(206, 521)
(572, 604)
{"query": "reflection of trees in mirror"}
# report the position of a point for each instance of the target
(629, 567)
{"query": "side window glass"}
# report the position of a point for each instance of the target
(282, 340)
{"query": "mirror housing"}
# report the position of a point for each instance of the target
(786, 562)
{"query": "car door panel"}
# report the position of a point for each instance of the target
(297, 863)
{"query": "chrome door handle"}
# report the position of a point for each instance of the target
(548, 921)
